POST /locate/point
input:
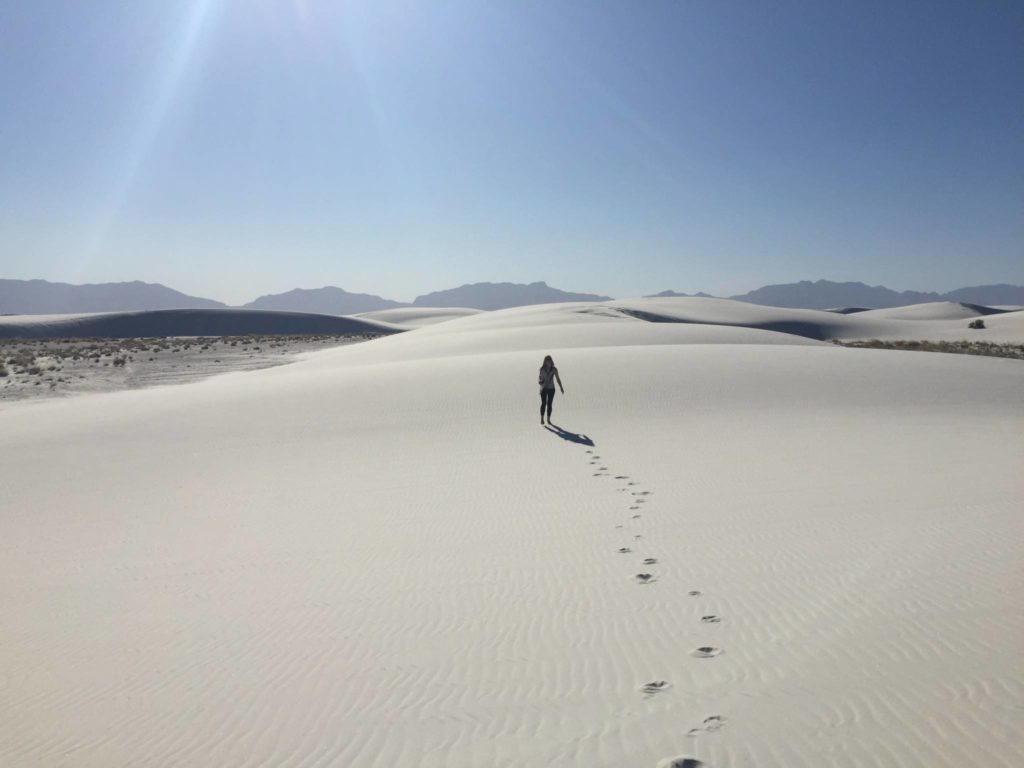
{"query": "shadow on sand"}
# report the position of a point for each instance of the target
(565, 434)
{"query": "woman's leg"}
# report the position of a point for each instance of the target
(543, 402)
(551, 401)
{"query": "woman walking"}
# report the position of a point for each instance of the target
(548, 377)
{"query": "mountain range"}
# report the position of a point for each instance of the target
(32, 297)
(501, 296)
(824, 294)
(35, 297)
(324, 301)
(40, 297)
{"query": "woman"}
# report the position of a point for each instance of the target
(548, 377)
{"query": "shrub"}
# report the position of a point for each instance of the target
(979, 323)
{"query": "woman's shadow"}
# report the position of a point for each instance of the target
(565, 434)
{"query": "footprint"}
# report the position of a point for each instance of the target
(711, 724)
(635, 516)
(618, 526)
(622, 477)
(624, 550)
(656, 686)
(694, 593)
(631, 482)
(638, 536)
(650, 561)
(680, 762)
(635, 506)
(714, 723)
(705, 652)
(644, 578)
(641, 493)
(711, 619)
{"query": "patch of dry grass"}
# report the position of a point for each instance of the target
(986, 348)
(93, 364)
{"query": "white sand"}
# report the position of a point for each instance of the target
(417, 317)
(947, 321)
(378, 557)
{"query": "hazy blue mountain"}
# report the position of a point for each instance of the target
(325, 301)
(670, 294)
(824, 294)
(501, 296)
(989, 295)
(40, 297)
(43, 297)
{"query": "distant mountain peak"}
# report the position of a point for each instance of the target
(491, 296)
(671, 294)
(329, 300)
(41, 297)
(827, 294)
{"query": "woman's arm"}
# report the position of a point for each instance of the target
(559, 380)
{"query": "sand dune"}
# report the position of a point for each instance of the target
(947, 321)
(183, 322)
(938, 310)
(673, 321)
(418, 317)
(741, 546)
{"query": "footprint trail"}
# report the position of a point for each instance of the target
(638, 496)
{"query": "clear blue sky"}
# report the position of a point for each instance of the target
(231, 148)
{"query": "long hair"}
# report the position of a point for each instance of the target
(548, 363)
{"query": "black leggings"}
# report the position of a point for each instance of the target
(547, 397)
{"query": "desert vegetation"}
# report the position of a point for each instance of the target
(30, 367)
(986, 348)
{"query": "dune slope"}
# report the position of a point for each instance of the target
(184, 322)
(738, 546)
(417, 317)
